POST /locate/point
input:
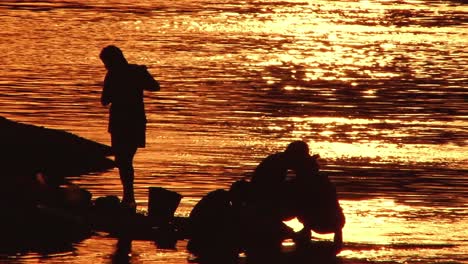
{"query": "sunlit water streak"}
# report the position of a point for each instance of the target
(378, 88)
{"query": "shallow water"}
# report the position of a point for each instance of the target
(377, 88)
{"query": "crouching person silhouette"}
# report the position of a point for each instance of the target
(309, 196)
(123, 91)
(273, 196)
(216, 225)
(317, 204)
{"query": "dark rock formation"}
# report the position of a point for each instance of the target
(27, 149)
(37, 213)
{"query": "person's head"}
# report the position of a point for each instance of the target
(112, 57)
(239, 192)
(297, 151)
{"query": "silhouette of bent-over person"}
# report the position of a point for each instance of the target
(317, 204)
(309, 196)
(216, 223)
(271, 198)
(123, 91)
(268, 186)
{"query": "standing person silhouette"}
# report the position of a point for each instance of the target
(123, 91)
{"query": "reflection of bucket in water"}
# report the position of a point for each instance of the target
(162, 203)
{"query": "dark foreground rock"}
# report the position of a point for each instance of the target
(52, 229)
(35, 162)
(41, 229)
(39, 214)
(27, 149)
(54, 225)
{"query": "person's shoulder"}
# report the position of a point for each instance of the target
(218, 192)
(140, 70)
(277, 156)
(138, 67)
(276, 159)
(217, 197)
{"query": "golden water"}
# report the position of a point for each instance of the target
(378, 89)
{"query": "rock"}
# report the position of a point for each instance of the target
(38, 214)
(27, 149)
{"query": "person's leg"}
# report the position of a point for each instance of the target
(323, 227)
(341, 220)
(338, 241)
(303, 237)
(124, 160)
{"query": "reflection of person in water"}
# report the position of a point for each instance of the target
(123, 91)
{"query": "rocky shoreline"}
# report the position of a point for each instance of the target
(28, 149)
(35, 164)
(44, 213)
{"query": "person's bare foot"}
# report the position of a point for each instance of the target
(302, 238)
(130, 205)
(338, 241)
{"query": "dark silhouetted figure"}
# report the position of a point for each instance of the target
(270, 202)
(317, 204)
(309, 196)
(216, 225)
(123, 90)
(269, 189)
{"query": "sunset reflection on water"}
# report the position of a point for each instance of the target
(377, 88)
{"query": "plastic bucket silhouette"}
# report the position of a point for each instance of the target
(162, 204)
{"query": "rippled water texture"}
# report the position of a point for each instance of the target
(377, 88)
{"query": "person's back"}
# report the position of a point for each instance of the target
(123, 85)
(317, 202)
(269, 175)
(123, 88)
(213, 229)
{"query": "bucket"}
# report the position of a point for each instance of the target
(162, 204)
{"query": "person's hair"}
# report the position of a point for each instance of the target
(297, 149)
(112, 56)
(239, 191)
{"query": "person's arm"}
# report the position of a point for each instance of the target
(147, 80)
(105, 95)
(338, 241)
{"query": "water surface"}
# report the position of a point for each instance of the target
(377, 88)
